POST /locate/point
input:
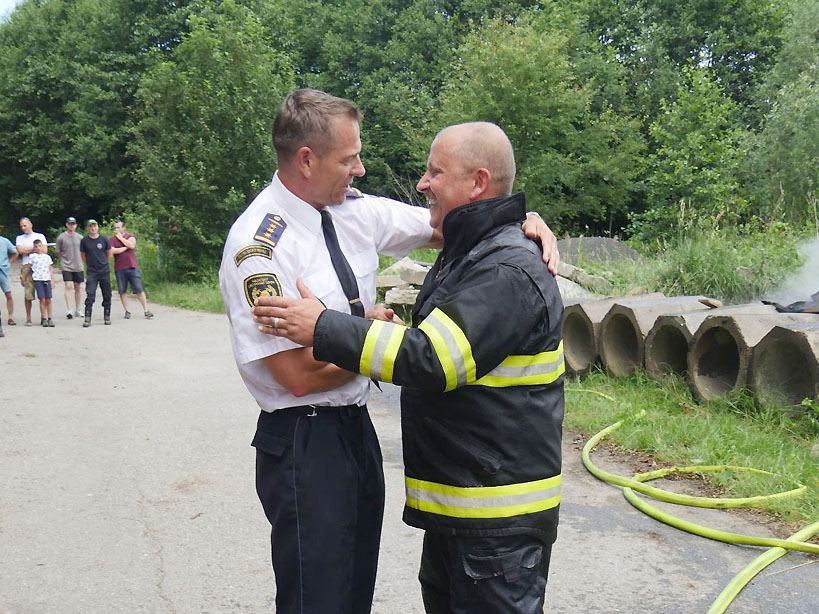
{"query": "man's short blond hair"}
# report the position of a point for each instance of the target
(485, 145)
(305, 119)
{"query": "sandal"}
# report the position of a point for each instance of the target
(12, 322)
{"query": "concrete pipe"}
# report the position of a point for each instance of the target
(667, 343)
(625, 326)
(581, 327)
(785, 366)
(720, 353)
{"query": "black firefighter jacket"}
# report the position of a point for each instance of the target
(482, 376)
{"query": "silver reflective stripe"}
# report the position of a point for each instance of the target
(535, 369)
(377, 356)
(455, 353)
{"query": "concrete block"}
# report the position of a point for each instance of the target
(401, 296)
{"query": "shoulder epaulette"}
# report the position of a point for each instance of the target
(354, 193)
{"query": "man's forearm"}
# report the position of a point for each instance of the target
(301, 374)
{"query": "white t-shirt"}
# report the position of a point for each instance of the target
(28, 241)
(39, 266)
(278, 239)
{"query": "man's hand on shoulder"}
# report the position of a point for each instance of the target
(537, 230)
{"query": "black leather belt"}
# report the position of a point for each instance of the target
(315, 410)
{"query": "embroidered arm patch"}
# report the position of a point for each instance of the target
(249, 251)
(261, 284)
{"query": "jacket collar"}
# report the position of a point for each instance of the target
(465, 226)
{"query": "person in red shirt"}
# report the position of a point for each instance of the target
(123, 246)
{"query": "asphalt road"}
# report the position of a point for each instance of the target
(127, 486)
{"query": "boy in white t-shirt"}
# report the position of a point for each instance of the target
(41, 273)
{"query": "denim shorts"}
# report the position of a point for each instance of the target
(126, 276)
(43, 289)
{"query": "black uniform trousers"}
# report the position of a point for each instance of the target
(484, 575)
(320, 480)
(104, 281)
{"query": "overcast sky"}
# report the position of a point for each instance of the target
(6, 6)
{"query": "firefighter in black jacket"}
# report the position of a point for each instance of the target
(481, 369)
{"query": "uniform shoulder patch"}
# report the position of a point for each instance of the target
(249, 251)
(354, 193)
(261, 284)
(271, 229)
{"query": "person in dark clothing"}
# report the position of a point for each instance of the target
(96, 252)
(481, 370)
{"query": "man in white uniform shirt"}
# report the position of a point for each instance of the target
(319, 469)
(25, 246)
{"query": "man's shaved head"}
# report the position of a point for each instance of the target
(483, 145)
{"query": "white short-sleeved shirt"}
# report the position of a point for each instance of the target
(27, 240)
(278, 239)
(39, 266)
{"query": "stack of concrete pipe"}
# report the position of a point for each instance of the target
(581, 329)
(718, 348)
(722, 349)
(668, 342)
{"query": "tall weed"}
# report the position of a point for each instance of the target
(734, 264)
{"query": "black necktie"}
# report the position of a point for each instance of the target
(340, 264)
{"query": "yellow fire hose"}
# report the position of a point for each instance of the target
(779, 547)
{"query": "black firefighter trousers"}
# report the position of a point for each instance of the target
(320, 480)
(484, 575)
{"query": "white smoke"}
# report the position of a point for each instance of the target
(805, 282)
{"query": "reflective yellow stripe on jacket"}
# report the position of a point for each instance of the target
(538, 369)
(483, 501)
(452, 348)
(380, 349)
(454, 353)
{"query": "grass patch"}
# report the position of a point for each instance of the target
(733, 264)
(199, 296)
(676, 430)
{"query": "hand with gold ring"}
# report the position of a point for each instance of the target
(292, 318)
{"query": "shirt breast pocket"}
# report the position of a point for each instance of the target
(364, 263)
(321, 284)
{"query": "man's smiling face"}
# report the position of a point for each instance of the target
(447, 183)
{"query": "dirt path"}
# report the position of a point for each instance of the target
(127, 486)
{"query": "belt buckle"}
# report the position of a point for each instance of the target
(312, 413)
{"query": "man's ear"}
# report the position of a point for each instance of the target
(305, 160)
(482, 179)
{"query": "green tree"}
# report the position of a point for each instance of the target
(784, 162)
(203, 140)
(696, 161)
(737, 39)
(67, 86)
(577, 159)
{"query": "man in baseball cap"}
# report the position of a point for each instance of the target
(67, 249)
(96, 252)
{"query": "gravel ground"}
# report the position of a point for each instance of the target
(127, 480)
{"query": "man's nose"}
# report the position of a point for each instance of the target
(423, 184)
(358, 169)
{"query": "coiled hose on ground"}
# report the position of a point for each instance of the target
(779, 547)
